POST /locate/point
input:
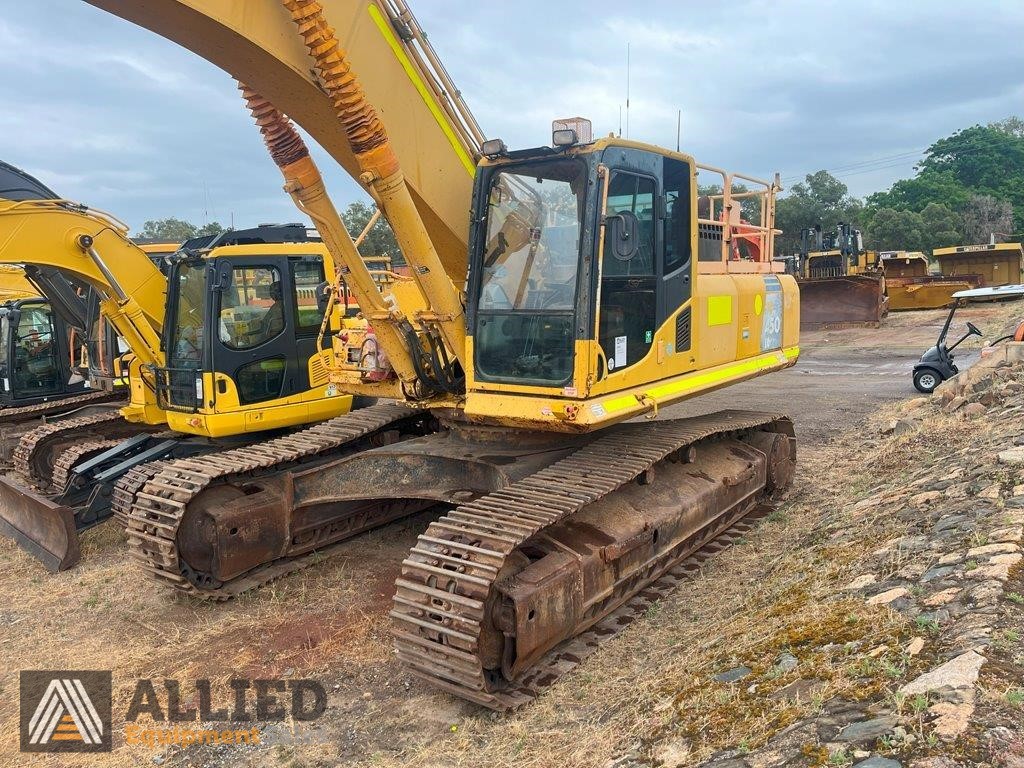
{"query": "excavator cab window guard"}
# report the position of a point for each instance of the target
(179, 389)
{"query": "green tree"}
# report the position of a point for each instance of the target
(942, 227)
(176, 230)
(820, 199)
(213, 228)
(897, 230)
(981, 160)
(380, 241)
(914, 194)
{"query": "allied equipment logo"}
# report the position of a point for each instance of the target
(65, 711)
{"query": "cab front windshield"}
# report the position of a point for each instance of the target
(524, 326)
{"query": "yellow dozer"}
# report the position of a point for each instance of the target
(910, 286)
(841, 283)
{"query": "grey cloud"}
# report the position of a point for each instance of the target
(114, 116)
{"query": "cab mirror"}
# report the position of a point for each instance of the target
(221, 275)
(323, 296)
(622, 235)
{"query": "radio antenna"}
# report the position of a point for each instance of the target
(679, 126)
(627, 90)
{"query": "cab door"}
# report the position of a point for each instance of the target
(641, 294)
(628, 288)
(38, 372)
(675, 259)
(263, 331)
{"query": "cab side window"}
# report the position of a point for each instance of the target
(634, 194)
(36, 368)
(252, 309)
(309, 275)
(677, 215)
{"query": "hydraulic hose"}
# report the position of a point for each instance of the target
(304, 183)
(381, 171)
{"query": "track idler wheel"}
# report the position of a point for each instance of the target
(781, 459)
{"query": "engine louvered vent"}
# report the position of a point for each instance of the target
(683, 330)
(317, 371)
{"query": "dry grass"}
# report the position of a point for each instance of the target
(649, 685)
(104, 615)
(649, 689)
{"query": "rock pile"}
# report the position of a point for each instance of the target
(953, 519)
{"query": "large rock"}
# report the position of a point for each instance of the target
(959, 674)
(973, 410)
(1012, 456)
(878, 762)
(888, 596)
(867, 730)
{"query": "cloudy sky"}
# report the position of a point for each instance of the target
(113, 116)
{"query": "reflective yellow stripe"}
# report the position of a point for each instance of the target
(719, 310)
(428, 98)
(699, 381)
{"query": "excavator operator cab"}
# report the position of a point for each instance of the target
(243, 322)
(35, 365)
(581, 246)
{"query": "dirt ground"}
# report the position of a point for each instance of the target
(330, 621)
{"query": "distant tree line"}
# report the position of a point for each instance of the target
(968, 186)
(176, 230)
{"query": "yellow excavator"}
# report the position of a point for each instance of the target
(557, 294)
(240, 358)
(46, 368)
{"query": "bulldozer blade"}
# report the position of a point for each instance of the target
(842, 302)
(931, 292)
(41, 527)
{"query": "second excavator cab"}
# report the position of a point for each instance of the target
(34, 366)
(242, 334)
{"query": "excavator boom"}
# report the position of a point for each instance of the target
(432, 132)
(54, 234)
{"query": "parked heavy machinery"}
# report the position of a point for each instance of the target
(994, 263)
(234, 364)
(46, 368)
(556, 295)
(841, 283)
(910, 286)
